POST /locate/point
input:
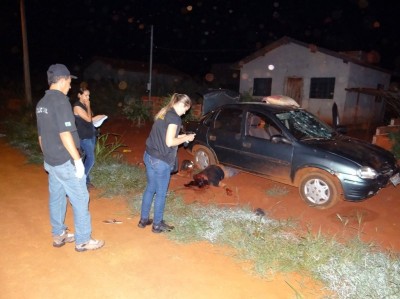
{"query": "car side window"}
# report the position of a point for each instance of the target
(229, 120)
(258, 125)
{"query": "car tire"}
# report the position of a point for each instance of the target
(203, 157)
(319, 189)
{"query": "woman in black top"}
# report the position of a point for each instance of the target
(86, 130)
(159, 158)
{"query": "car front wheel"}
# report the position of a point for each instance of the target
(319, 189)
(203, 157)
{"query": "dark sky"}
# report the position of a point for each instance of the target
(191, 35)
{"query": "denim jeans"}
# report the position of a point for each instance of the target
(63, 183)
(88, 146)
(158, 174)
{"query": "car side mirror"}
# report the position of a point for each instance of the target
(279, 139)
(341, 129)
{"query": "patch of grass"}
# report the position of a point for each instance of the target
(277, 191)
(351, 270)
(108, 150)
(22, 134)
(115, 177)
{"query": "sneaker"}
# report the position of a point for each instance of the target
(162, 227)
(59, 241)
(90, 245)
(144, 222)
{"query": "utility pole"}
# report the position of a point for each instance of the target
(27, 76)
(151, 63)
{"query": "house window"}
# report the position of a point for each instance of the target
(262, 87)
(322, 88)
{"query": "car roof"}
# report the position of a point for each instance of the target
(263, 107)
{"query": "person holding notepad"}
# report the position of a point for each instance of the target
(84, 120)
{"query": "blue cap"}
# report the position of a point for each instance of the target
(58, 70)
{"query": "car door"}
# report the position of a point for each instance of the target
(262, 156)
(225, 135)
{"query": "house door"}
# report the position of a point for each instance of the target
(294, 89)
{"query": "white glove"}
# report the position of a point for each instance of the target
(79, 168)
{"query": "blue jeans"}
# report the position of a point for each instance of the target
(62, 183)
(158, 174)
(88, 146)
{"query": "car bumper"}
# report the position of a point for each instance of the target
(356, 189)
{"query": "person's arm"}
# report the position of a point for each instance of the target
(69, 144)
(86, 115)
(171, 140)
(40, 143)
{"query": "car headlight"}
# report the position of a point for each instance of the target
(366, 172)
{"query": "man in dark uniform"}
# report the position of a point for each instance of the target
(59, 141)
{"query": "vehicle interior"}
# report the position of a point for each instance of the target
(258, 126)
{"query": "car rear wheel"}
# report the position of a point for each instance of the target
(203, 157)
(319, 189)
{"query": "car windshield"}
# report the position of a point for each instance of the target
(304, 125)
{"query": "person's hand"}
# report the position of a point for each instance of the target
(79, 168)
(190, 137)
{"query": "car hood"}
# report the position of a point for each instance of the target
(360, 151)
(214, 98)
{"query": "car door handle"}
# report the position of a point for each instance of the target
(246, 144)
(212, 137)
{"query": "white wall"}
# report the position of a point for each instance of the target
(293, 60)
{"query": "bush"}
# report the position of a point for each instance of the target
(136, 112)
(395, 138)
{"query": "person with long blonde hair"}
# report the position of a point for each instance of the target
(160, 158)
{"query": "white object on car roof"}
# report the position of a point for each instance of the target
(280, 100)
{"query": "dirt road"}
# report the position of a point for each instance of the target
(134, 263)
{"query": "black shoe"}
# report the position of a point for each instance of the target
(144, 222)
(162, 227)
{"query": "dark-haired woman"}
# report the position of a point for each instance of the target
(86, 130)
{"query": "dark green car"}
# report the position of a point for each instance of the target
(292, 146)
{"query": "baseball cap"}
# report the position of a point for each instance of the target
(58, 70)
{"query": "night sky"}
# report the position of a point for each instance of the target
(191, 35)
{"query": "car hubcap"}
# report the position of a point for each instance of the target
(317, 191)
(202, 159)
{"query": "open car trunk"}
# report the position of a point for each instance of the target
(213, 98)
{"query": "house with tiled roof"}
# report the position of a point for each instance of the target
(317, 78)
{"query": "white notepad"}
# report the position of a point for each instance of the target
(99, 122)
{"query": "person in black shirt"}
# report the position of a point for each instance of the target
(86, 130)
(160, 158)
(59, 142)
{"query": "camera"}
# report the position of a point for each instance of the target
(186, 143)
